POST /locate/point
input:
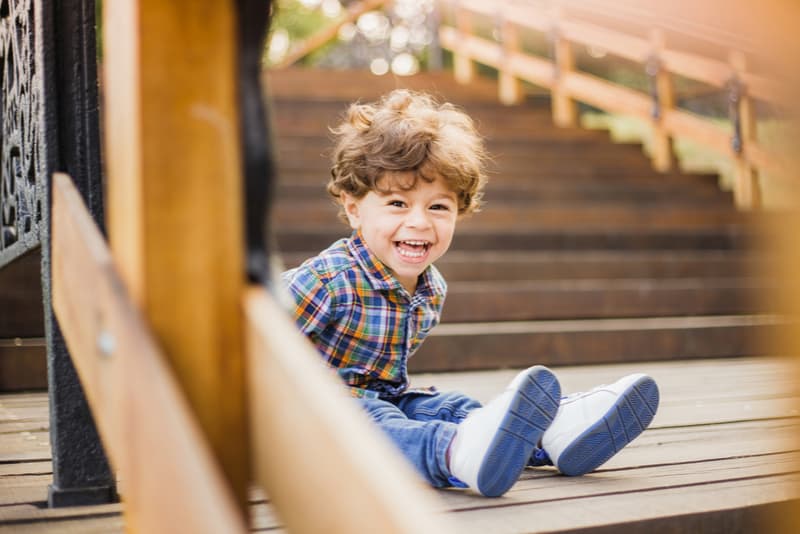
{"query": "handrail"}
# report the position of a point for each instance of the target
(149, 431)
(568, 85)
(328, 33)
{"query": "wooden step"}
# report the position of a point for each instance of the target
(571, 168)
(719, 455)
(479, 110)
(545, 152)
(300, 83)
(534, 192)
(472, 346)
(23, 364)
(310, 116)
(21, 307)
(524, 300)
(699, 238)
(294, 127)
(511, 265)
(574, 178)
(596, 141)
(313, 213)
(607, 196)
(550, 179)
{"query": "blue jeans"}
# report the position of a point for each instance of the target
(422, 427)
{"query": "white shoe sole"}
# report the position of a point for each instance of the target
(630, 414)
(533, 405)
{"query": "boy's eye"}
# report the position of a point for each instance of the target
(397, 203)
(442, 207)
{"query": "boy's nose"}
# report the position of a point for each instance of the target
(417, 218)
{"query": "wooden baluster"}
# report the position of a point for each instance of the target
(509, 88)
(747, 192)
(664, 102)
(565, 109)
(174, 201)
(463, 69)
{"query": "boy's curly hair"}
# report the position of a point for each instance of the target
(408, 131)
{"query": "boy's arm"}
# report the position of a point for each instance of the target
(311, 301)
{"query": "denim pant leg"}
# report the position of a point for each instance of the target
(450, 406)
(422, 427)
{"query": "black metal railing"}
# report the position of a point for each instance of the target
(49, 123)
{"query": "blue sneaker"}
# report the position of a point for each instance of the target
(591, 427)
(493, 444)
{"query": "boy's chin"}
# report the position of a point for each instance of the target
(409, 274)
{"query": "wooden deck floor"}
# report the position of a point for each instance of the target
(722, 450)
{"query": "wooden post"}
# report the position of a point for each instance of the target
(662, 154)
(509, 88)
(747, 193)
(174, 199)
(565, 109)
(463, 69)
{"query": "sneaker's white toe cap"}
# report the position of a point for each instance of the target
(591, 427)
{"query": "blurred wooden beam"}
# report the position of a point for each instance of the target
(170, 479)
(321, 462)
(175, 198)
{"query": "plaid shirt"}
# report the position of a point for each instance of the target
(359, 316)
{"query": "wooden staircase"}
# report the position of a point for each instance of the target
(583, 253)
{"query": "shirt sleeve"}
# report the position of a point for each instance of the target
(312, 302)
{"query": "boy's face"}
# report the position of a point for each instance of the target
(406, 229)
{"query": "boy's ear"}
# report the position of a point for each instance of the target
(351, 206)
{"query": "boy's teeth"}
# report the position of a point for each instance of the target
(419, 248)
(410, 254)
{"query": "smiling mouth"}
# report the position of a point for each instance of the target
(412, 249)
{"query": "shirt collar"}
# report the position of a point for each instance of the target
(380, 277)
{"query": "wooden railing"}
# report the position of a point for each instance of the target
(633, 38)
(199, 384)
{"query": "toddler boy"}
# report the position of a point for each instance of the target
(404, 170)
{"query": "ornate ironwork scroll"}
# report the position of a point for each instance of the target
(48, 122)
(22, 167)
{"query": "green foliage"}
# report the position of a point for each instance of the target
(299, 22)
(297, 19)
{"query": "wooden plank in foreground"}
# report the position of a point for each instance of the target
(323, 466)
(171, 481)
(26, 470)
(692, 471)
(175, 199)
(705, 437)
(720, 455)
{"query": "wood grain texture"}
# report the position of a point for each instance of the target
(23, 364)
(720, 454)
(175, 198)
(318, 438)
(171, 480)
